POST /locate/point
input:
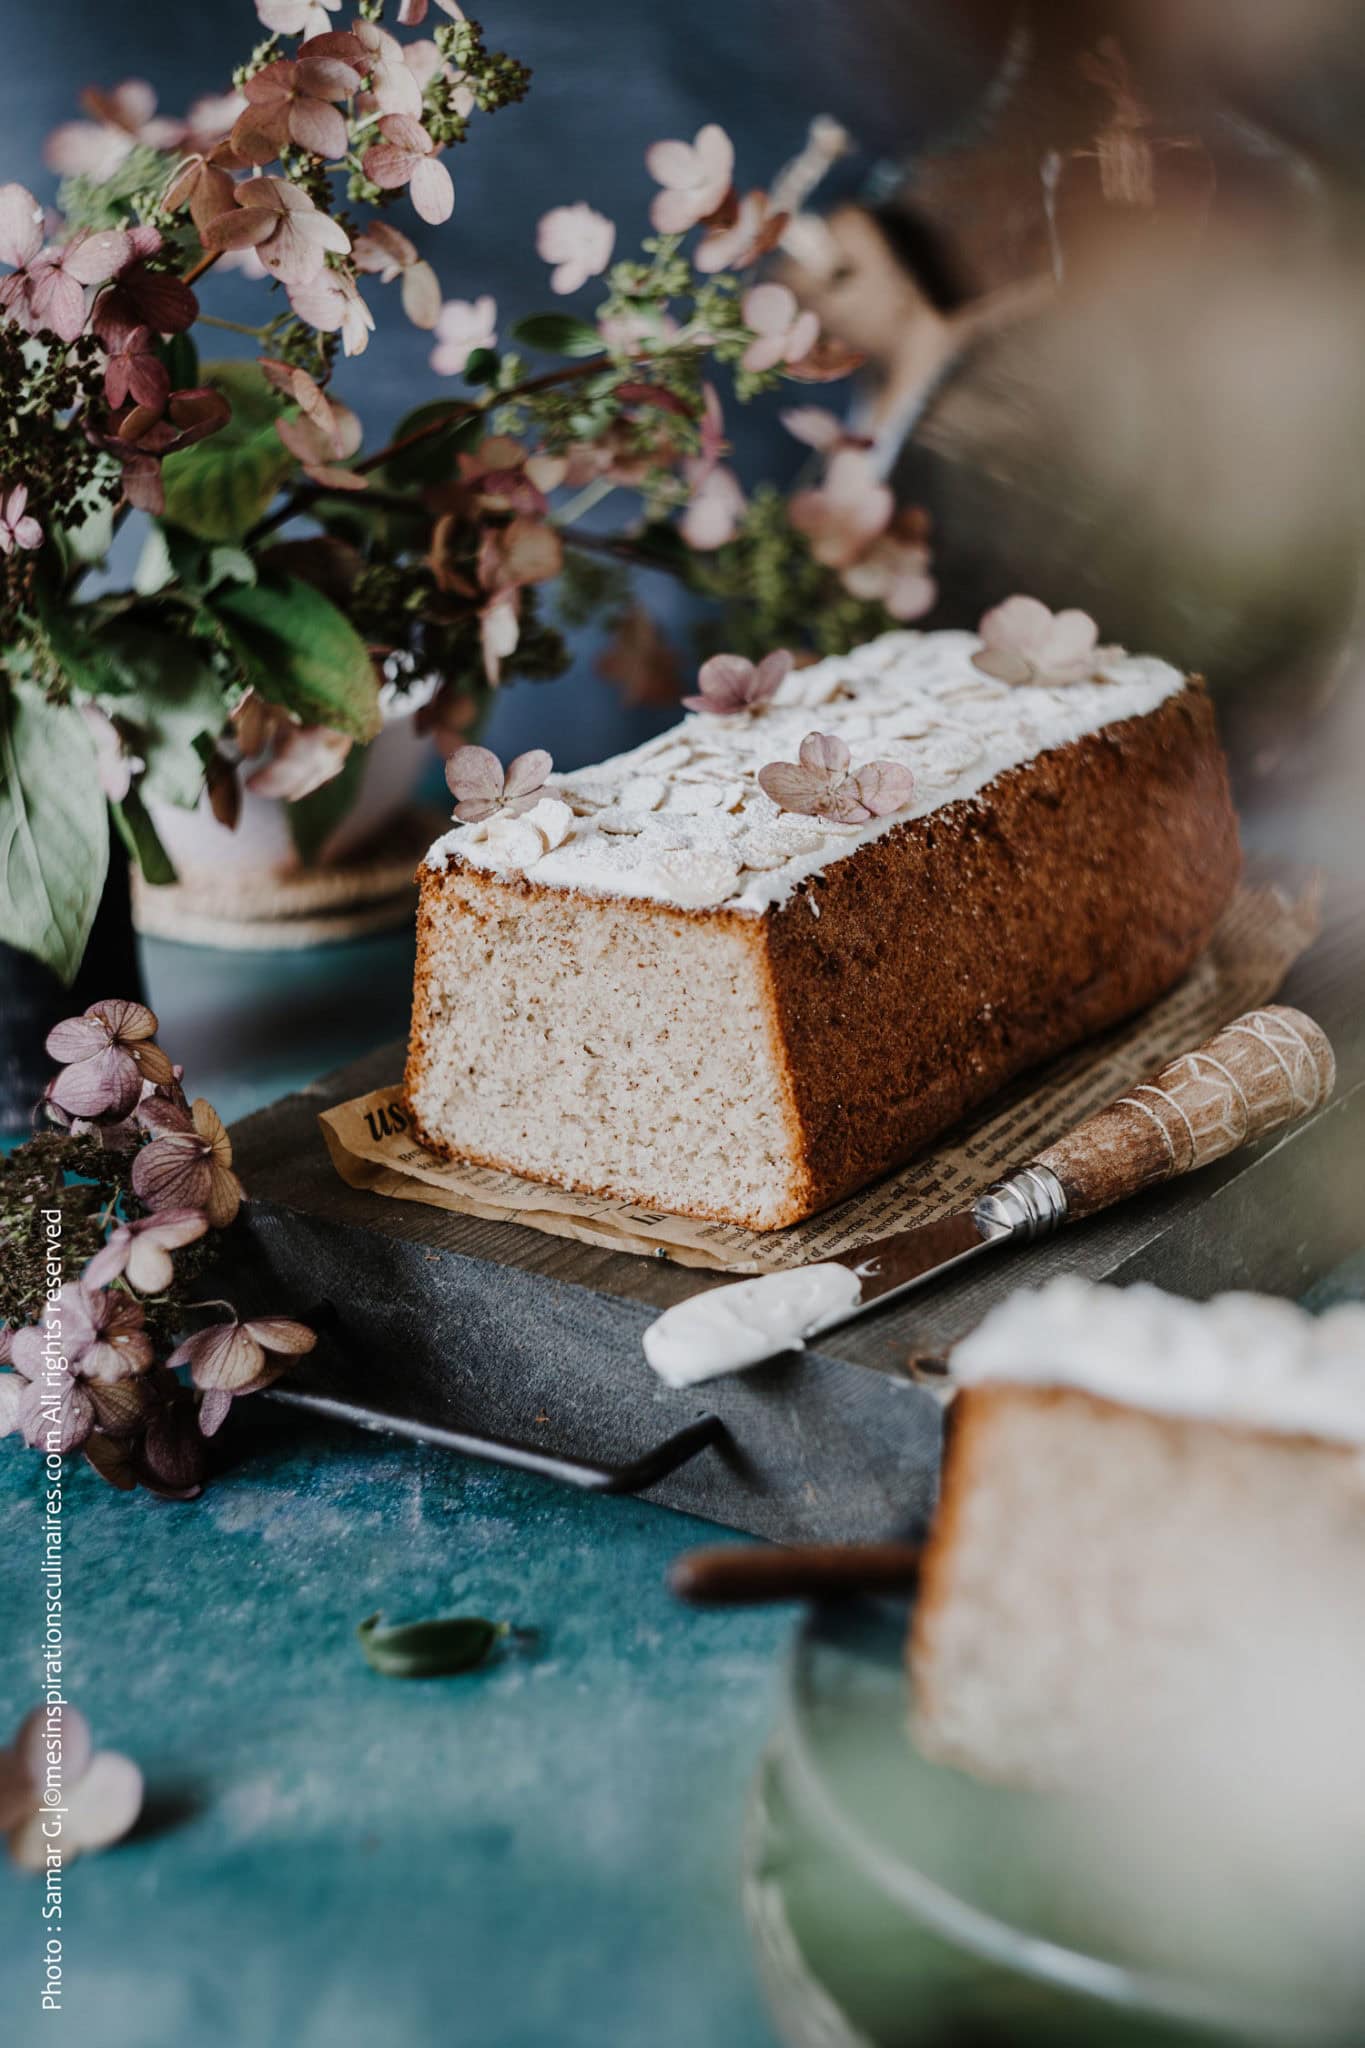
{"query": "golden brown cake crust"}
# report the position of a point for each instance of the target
(970, 944)
(955, 951)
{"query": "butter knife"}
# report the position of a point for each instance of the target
(1262, 1071)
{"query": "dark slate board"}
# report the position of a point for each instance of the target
(495, 1329)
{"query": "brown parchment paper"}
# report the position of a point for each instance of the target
(1261, 935)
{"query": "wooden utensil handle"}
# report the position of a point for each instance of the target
(748, 1575)
(1260, 1071)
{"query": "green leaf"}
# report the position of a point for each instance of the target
(175, 697)
(314, 818)
(429, 1649)
(154, 566)
(220, 487)
(432, 460)
(298, 650)
(142, 839)
(88, 533)
(181, 357)
(559, 334)
(173, 554)
(482, 366)
(54, 831)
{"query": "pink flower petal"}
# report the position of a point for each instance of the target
(715, 154)
(281, 1334)
(814, 425)
(802, 337)
(884, 786)
(388, 165)
(1003, 666)
(824, 753)
(319, 128)
(105, 1802)
(226, 1355)
(149, 1267)
(421, 292)
(431, 190)
(671, 163)
(1020, 625)
(214, 1410)
(527, 772)
(769, 308)
(77, 1038)
(772, 672)
(792, 788)
(59, 303)
(326, 78)
(1072, 640)
(173, 1172)
(474, 775)
(107, 1084)
(68, 1725)
(21, 226)
(91, 258)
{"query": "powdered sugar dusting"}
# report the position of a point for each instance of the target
(682, 820)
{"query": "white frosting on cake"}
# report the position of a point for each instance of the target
(682, 820)
(1248, 1359)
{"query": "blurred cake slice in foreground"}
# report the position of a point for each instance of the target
(1147, 1503)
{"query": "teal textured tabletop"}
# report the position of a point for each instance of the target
(545, 1850)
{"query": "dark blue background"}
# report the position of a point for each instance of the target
(610, 76)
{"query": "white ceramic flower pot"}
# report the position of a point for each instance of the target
(261, 844)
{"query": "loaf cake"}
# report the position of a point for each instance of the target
(660, 984)
(1148, 1506)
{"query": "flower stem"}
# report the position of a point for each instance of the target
(233, 326)
(590, 495)
(206, 262)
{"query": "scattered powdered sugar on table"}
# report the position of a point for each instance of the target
(681, 820)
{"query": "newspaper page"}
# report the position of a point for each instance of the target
(1261, 935)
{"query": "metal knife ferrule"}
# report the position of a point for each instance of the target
(1028, 1204)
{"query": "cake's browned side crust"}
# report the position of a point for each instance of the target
(970, 944)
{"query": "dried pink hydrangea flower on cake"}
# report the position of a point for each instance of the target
(820, 784)
(1023, 642)
(731, 682)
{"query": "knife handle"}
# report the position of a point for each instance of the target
(752, 1574)
(1257, 1073)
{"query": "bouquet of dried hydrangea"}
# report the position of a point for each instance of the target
(106, 1225)
(288, 575)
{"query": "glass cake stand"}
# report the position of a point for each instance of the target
(894, 1903)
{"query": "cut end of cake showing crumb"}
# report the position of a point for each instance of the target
(1148, 1504)
(598, 1046)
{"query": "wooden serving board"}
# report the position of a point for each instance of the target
(495, 1329)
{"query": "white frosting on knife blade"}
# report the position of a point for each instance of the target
(728, 1328)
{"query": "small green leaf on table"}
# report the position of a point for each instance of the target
(429, 1649)
(298, 650)
(54, 831)
(558, 334)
